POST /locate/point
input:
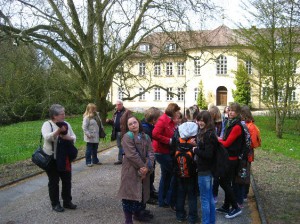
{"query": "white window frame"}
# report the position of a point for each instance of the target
(221, 64)
(170, 47)
(169, 69)
(142, 68)
(293, 96)
(197, 67)
(181, 93)
(143, 96)
(156, 94)
(248, 65)
(170, 95)
(157, 69)
(196, 93)
(120, 93)
(144, 48)
(180, 68)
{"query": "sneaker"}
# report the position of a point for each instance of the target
(89, 165)
(223, 210)
(118, 163)
(233, 213)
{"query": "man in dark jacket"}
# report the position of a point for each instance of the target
(118, 122)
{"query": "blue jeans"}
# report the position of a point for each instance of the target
(186, 187)
(91, 153)
(207, 199)
(120, 154)
(165, 187)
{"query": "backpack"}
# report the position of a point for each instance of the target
(220, 162)
(184, 159)
(246, 142)
(255, 135)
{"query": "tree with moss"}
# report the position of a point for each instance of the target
(242, 93)
(201, 101)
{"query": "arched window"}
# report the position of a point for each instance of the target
(221, 65)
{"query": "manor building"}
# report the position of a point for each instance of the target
(181, 65)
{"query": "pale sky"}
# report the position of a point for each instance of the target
(232, 13)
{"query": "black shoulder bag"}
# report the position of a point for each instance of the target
(40, 158)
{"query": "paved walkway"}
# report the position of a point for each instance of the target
(94, 191)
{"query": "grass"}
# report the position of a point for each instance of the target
(18, 141)
(289, 145)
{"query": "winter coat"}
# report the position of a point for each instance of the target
(162, 133)
(132, 186)
(90, 128)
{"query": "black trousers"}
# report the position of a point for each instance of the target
(228, 185)
(53, 185)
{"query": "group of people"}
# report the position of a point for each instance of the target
(158, 138)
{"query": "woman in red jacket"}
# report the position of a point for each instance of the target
(232, 141)
(162, 138)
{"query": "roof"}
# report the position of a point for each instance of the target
(186, 40)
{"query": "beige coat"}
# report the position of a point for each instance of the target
(90, 129)
(132, 186)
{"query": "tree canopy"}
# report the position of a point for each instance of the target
(90, 39)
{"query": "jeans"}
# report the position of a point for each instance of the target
(91, 153)
(120, 154)
(53, 185)
(186, 187)
(207, 199)
(165, 187)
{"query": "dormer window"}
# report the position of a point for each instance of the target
(170, 47)
(144, 47)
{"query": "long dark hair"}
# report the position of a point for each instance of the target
(207, 119)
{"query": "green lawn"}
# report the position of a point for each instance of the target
(18, 141)
(289, 145)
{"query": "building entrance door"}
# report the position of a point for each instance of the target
(222, 96)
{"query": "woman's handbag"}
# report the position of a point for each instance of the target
(40, 158)
(102, 133)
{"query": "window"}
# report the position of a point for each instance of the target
(157, 69)
(180, 94)
(120, 93)
(280, 95)
(293, 96)
(170, 47)
(265, 93)
(108, 96)
(144, 47)
(196, 93)
(197, 67)
(142, 69)
(221, 65)
(180, 68)
(249, 67)
(156, 93)
(169, 94)
(169, 69)
(142, 97)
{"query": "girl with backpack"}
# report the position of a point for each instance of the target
(255, 140)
